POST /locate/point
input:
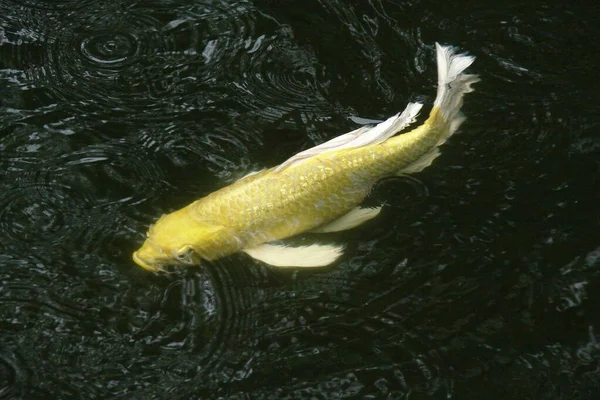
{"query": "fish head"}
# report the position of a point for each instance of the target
(181, 239)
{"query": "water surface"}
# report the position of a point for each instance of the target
(480, 280)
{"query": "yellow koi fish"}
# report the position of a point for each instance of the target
(317, 190)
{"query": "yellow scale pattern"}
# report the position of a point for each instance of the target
(275, 205)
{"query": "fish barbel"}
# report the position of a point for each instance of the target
(317, 190)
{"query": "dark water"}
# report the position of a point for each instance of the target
(480, 280)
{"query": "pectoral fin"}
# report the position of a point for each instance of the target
(350, 220)
(315, 255)
(423, 162)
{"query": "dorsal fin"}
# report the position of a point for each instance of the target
(362, 136)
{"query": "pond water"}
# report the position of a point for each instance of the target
(481, 278)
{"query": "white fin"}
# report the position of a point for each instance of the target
(315, 255)
(423, 162)
(330, 145)
(250, 174)
(349, 220)
(360, 137)
(452, 85)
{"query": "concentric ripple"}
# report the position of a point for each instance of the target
(229, 353)
(36, 213)
(50, 4)
(133, 61)
(278, 78)
(96, 75)
(110, 49)
(13, 375)
(205, 319)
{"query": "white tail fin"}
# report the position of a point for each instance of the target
(452, 85)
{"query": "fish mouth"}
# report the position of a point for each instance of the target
(147, 266)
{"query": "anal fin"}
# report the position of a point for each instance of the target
(315, 255)
(349, 220)
(421, 163)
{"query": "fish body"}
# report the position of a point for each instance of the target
(311, 189)
(273, 205)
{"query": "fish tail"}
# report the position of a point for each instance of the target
(443, 121)
(453, 83)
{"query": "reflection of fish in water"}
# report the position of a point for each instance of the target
(317, 190)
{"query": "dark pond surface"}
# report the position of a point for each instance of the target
(480, 280)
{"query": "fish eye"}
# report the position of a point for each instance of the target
(184, 253)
